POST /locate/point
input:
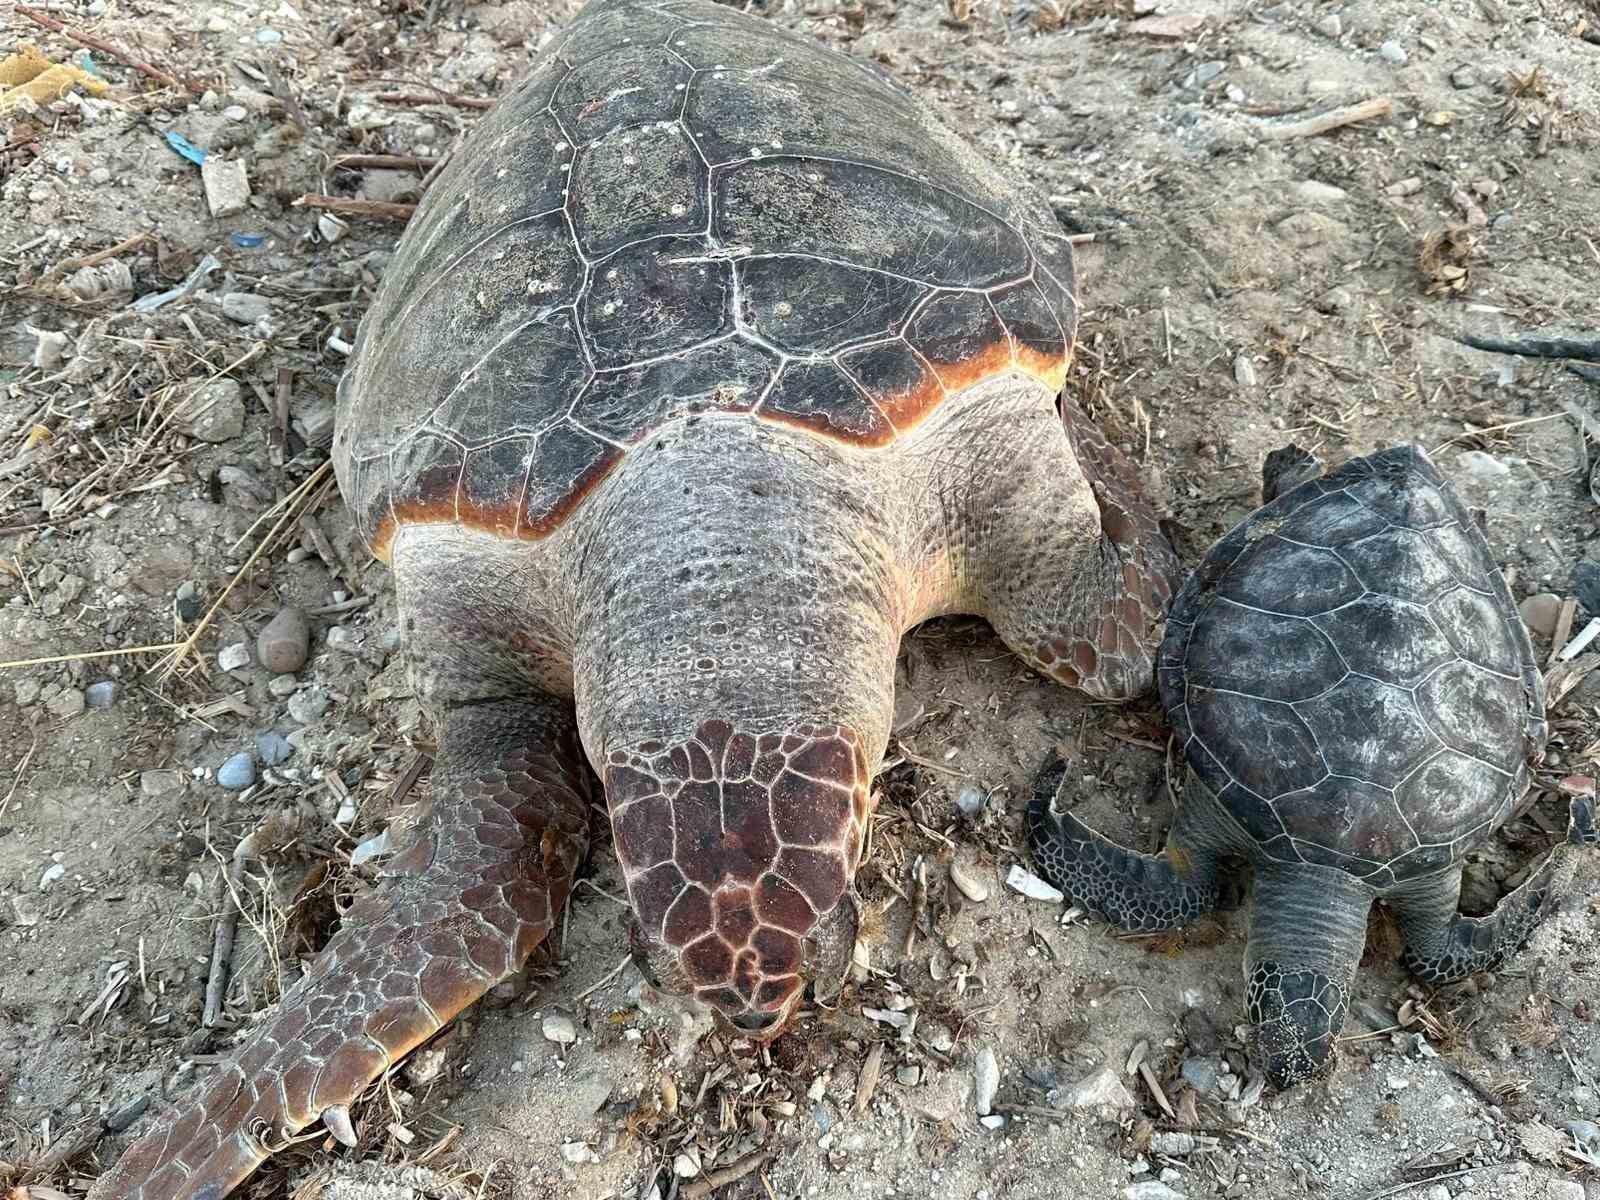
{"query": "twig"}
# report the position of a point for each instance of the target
(398, 162)
(408, 778)
(229, 883)
(357, 208)
(1380, 106)
(919, 903)
(94, 260)
(57, 658)
(122, 56)
(1416, 1183)
(441, 98)
(605, 979)
(278, 431)
(66, 1148)
(17, 778)
(698, 1189)
(1034, 1110)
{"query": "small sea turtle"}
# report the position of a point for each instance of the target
(710, 365)
(1358, 704)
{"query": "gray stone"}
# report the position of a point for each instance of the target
(213, 414)
(1393, 52)
(272, 747)
(1586, 1134)
(908, 1076)
(245, 307)
(1334, 300)
(1330, 26)
(1103, 1089)
(160, 783)
(232, 658)
(970, 800)
(1207, 71)
(282, 686)
(1464, 77)
(27, 910)
(1244, 371)
(309, 704)
(101, 695)
(66, 703)
(25, 691)
(281, 645)
(1564, 1189)
(227, 185)
(238, 773)
(986, 1080)
(1539, 614)
(1480, 465)
(1150, 1189)
(1201, 1074)
(558, 1027)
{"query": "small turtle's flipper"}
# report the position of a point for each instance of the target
(460, 910)
(1441, 945)
(1308, 927)
(1285, 469)
(1138, 892)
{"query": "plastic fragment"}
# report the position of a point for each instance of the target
(186, 148)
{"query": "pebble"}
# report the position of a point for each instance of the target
(231, 658)
(100, 176)
(282, 685)
(27, 910)
(1030, 885)
(101, 695)
(970, 800)
(986, 1080)
(1103, 1089)
(1244, 371)
(268, 37)
(578, 1152)
(1150, 1189)
(1393, 52)
(236, 112)
(213, 414)
(558, 1027)
(968, 884)
(1464, 77)
(1330, 26)
(159, 783)
(1564, 1189)
(1437, 1192)
(227, 185)
(909, 1076)
(272, 747)
(66, 703)
(238, 773)
(281, 644)
(1317, 192)
(1539, 613)
(127, 1113)
(1207, 71)
(308, 705)
(51, 873)
(993, 1121)
(1334, 300)
(1201, 1074)
(245, 307)
(684, 1166)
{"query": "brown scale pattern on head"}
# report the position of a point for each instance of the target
(739, 849)
(1117, 646)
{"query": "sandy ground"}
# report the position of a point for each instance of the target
(1242, 289)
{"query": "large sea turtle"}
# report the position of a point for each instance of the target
(1358, 705)
(711, 365)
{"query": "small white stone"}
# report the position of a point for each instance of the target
(231, 658)
(51, 873)
(578, 1152)
(1244, 371)
(227, 185)
(685, 1166)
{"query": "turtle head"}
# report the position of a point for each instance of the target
(1295, 1016)
(739, 850)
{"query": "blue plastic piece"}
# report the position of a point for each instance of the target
(186, 148)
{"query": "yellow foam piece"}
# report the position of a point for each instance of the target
(30, 74)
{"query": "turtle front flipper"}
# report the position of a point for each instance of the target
(460, 910)
(1138, 892)
(1442, 946)
(1078, 573)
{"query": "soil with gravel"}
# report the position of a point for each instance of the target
(1246, 283)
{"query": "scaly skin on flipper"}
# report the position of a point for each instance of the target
(1442, 946)
(460, 910)
(1111, 655)
(1141, 893)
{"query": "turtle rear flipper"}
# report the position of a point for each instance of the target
(475, 894)
(1442, 946)
(1138, 892)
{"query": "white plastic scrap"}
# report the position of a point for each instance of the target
(1031, 886)
(196, 277)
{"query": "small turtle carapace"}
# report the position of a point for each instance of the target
(1358, 705)
(710, 365)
